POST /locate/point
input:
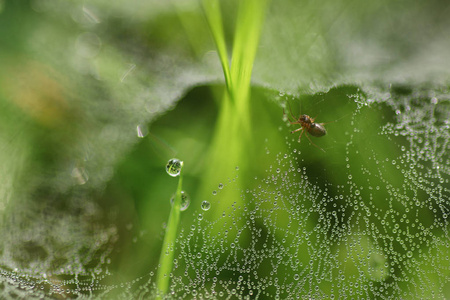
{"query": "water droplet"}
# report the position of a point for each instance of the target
(142, 131)
(220, 186)
(409, 254)
(206, 205)
(185, 201)
(80, 175)
(214, 193)
(173, 167)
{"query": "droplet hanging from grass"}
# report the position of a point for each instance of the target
(173, 167)
(185, 200)
(180, 202)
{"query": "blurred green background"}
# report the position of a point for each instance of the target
(97, 96)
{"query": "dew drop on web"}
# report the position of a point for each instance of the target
(367, 235)
(205, 205)
(141, 131)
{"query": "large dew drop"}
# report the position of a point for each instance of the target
(185, 200)
(173, 167)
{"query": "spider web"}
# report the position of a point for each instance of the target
(366, 219)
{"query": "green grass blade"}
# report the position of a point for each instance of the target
(248, 29)
(168, 248)
(214, 18)
(231, 145)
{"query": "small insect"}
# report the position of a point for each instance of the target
(308, 126)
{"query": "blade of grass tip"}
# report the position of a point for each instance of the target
(168, 247)
(213, 16)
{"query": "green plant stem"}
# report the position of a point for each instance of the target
(231, 145)
(214, 18)
(248, 29)
(168, 247)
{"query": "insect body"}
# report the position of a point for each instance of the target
(308, 126)
(307, 123)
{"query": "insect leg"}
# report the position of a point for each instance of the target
(284, 114)
(290, 110)
(313, 143)
(301, 135)
(296, 130)
(292, 122)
